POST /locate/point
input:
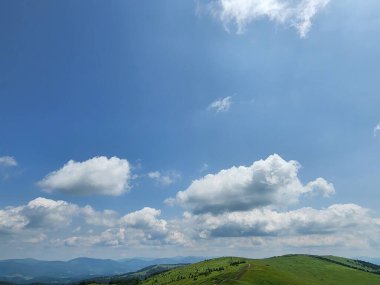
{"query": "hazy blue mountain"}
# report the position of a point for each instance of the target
(371, 260)
(32, 270)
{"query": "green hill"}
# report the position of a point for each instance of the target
(284, 270)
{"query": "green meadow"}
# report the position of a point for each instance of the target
(284, 270)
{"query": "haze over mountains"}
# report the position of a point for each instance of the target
(32, 270)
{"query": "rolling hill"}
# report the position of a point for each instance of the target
(284, 270)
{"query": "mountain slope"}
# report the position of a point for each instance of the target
(285, 270)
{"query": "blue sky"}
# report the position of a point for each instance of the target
(177, 90)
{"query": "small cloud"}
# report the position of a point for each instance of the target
(221, 105)
(165, 179)
(8, 161)
(376, 130)
(77, 229)
(154, 174)
(320, 187)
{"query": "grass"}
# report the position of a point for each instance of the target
(284, 270)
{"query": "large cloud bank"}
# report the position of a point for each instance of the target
(239, 207)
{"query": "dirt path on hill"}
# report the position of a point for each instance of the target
(241, 273)
(237, 276)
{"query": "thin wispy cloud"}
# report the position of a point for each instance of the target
(238, 14)
(8, 161)
(376, 130)
(204, 167)
(7, 165)
(165, 179)
(221, 105)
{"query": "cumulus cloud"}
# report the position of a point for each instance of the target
(272, 182)
(295, 13)
(248, 206)
(98, 175)
(46, 213)
(8, 161)
(142, 227)
(38, 213)
(320, 187)
(146, 220)
(11, 220)
(221, 105)
(165, 179)
(376, 130)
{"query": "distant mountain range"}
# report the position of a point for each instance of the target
(25, 271)
(32, 270)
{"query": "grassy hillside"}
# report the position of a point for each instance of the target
(358, 264)
(285, 270)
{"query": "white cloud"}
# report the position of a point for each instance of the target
(106, 218)
(8, 161)
(346, 226)
(335, 219)
(320, 187)
(272, 182)
(221, 105)
(46, 213)
(376, 130)
(146, 220)
(38, 213)
(37, 238)
(142, 227)
(98, 175)
(11, 220)
(240, 13)
(246, 207)
(165, 179)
